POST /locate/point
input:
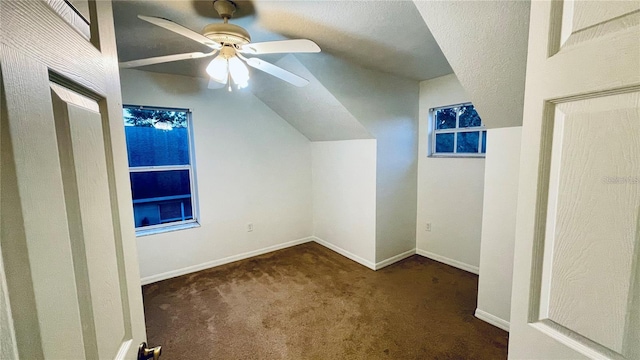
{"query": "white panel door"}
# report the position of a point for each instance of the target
(70, 284)
(576, 289)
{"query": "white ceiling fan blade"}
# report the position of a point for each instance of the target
(214, 84)
(163, 59)
(278, 72)
(179, 29)
(283, 46)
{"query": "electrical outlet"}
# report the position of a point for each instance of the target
(249, 227)
(428, 227)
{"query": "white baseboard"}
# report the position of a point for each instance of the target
(492, 319)
(345, 253)
(446, 260)
(230, 259)
(395, 259)
(209, 264)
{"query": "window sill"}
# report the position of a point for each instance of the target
(168, 228)
(467, 156)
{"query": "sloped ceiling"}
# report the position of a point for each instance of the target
(484, 41)
(312, 109)
(387, 36)
(486, 44)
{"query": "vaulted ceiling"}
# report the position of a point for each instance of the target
(485, 43)
(388, 36)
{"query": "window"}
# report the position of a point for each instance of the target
(457, 131)
(160, 167)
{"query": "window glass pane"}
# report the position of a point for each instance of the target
(446, 118)
(156, 137)
(469, 117)
(484, 142)
(161, 196)
(444, 143)
(468, 142)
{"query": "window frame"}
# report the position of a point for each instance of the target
(433, 132)
(191, 167)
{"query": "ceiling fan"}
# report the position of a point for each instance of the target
(230, 43)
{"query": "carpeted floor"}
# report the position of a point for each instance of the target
(307, 302)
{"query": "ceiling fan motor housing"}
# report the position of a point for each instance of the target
(227, 34)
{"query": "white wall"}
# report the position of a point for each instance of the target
(387, 106)
(252, 167)
(499, 225)
(450, 190)
(344, 197)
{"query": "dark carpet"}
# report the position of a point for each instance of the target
(307, 302)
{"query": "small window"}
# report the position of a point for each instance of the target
(160, 167)
(457, 130)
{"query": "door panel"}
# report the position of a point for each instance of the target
(592, 261)
(82, 156)
(67, 235)
(586, 19)
(583, 14)
(575, 290)
(75, 12)
(32, 132)
(52, 42)
(16, 271)
(589, 259)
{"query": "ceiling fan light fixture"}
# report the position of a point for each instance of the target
(239, 72)
(218, 69)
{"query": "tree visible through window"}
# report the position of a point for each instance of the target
(457, 131)
(160, 166)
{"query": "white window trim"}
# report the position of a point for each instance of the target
(151, 230)
(433, 132)
(195, 210)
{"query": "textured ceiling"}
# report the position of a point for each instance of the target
(494, 37)
(313, 110)
(388, 36)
